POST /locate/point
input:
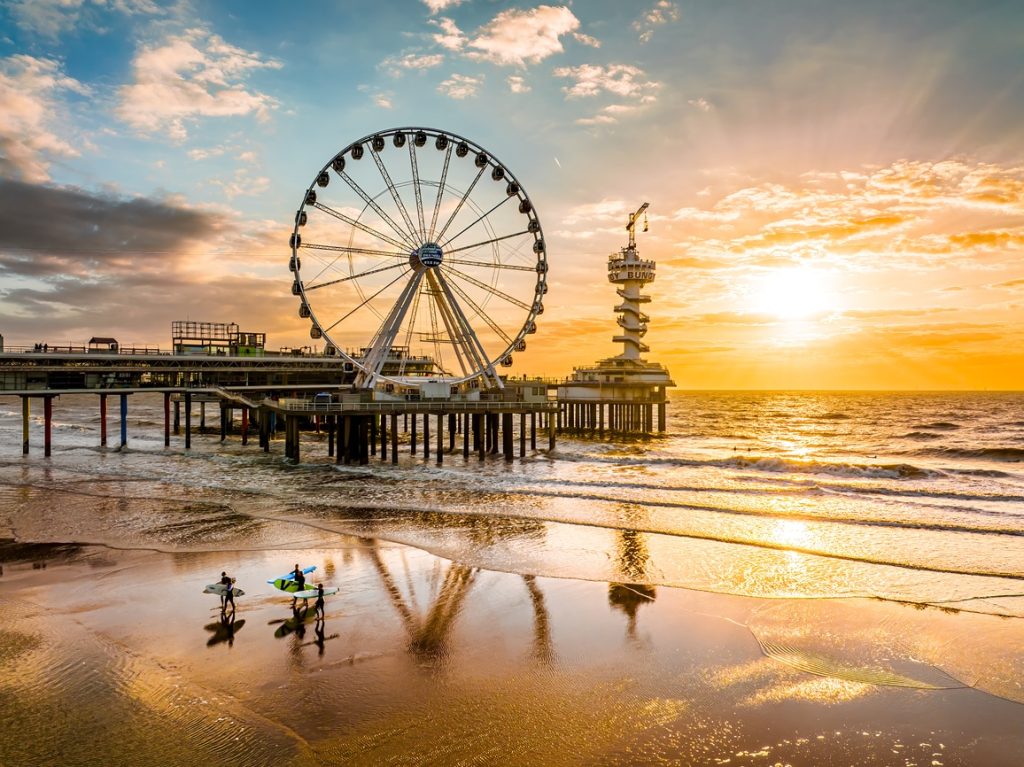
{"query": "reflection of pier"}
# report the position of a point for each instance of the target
(430, 633)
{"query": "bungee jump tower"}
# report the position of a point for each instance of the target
(620, 394)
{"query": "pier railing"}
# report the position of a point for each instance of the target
(419, 406)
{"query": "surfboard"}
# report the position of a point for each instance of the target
(311, 593)
(287, 585)
(220, 590)
(291, 576)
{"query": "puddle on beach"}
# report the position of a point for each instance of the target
(111, 657)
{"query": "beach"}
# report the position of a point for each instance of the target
(797, 579)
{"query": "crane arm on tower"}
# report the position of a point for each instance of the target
(631, 226)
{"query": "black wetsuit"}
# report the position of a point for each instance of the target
(319, 601)
(229, 593)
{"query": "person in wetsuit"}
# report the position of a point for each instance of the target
(229, 592)
(319, 610)
(300, 578)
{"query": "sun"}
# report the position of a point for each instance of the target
(796, 293)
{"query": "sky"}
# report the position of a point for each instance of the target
(836, 189)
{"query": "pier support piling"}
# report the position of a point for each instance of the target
(124, 420)
(188, 420)
(167, 419)
(440, 438)
(47, 425)
(24, 425)
(394, 438)
(103, 420)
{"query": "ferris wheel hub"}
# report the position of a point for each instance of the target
(427, 255)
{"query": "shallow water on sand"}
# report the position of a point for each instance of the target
(801, 578)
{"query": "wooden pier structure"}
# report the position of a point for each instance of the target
(270, 395)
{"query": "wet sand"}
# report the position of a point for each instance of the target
(116, 657)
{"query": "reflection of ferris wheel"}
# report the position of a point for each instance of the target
(415, 251)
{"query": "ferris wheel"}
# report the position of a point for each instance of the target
(417, 254)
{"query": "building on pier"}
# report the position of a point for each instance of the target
(620, 394)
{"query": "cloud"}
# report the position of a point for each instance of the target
(436, 6)
(87, 232)
(915, 214)
(702, 104)
(396, 66)
(31, 92)
(189, 76)
(460, 86)
(594, 79)
(51, 18)
(127, 266)
(518, 37)
(450, 36)
(663, 12)
(517, 84)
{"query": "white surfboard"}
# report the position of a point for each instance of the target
(312, 593)
(221, 590)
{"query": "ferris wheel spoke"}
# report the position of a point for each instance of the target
(361, 305)
(393, 190)
(406, 236)
(347, 249)
(492, 290)
(352, 277)
(358, 225)
(491, 265)
(488, 242)
(440, 190)
(479, 310)
(471, 344)
(482, 216)
(416, 188)
(461, 203)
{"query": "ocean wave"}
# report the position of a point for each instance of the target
(798, 466)
(937, 426)
(775, 464)
(832, 417)
(1007, 454)
(922, 435)
(994, 473)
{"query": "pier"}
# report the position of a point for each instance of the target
(264, 396)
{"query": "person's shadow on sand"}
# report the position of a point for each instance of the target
(224, 629)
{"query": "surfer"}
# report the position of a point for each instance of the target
(319, 609)
(229, 592)
(300, 578)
